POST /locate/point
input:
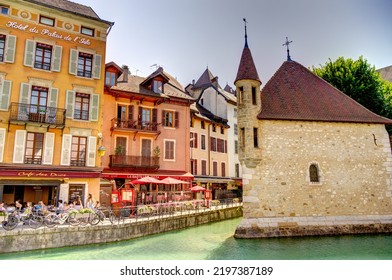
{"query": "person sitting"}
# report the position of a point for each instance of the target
(18, 205)
(77, 204)
(2, 208)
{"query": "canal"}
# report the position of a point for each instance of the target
(215, 241)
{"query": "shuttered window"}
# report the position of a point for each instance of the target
(34, 148)
(43, 56)
(5, 92)
(169, 150)
(85, 65)
(82, 106)
(7, 48)
(2, 47)
(78, 151)
(203, 167)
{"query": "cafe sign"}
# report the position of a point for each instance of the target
(48, 33)
(48, 174)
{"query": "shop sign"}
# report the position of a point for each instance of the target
(48, 33)
(49, 174)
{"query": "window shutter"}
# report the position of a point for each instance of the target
(176, 121)
(97, 61)
(196, 166)
(92, 148)
(5, 91)
(19, 146)
(56, 61)
(139, 117)
(10, 49)
(195, 136)
(94, 108)
(225, 151)
(73, 61)
(29, 53)
(155, 117)
(66, 149)
(163, 118)
(53, 96)
(49, 148)
(2, 142)
(130, 113)
(24, 95)
(70, 103)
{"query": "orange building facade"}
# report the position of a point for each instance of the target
(51, 100)
(146, 128)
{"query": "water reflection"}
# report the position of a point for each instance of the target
(216, 242)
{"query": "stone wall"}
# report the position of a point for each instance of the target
(354, 163)
(43, 238)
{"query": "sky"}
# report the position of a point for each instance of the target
(185, 37)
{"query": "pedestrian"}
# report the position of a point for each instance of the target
(90, 201)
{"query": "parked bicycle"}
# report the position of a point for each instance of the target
(53, 219)
(12, 219)
(104, 213)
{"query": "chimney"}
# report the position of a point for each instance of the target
(125, 73)
(214, 81)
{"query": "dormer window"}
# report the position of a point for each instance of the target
(110, 78)
(157, 86)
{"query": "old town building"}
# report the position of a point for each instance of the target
(52, 57)
(314, 160)
(146, 128)
(214, 137)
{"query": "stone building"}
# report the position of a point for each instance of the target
(51, 93)
(314, 161)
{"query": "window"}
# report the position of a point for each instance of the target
(255, 137)
(168, 118)
(203, 167)
(194, 166)
(43, 56)
(4, 10)
(235, 129)
(237, 170)
(214, 168)
(82, 106)
(46, 20)
(222, 129)
(157, 86)
(223, 167)
(254, 96)
(202, 125)
(214, 128)
(85, 64)
(235, 146)
(34, 147)
(242, 139)
(314, 173)
(2, 47)
(78, 151)
(193, 143)
(87, 31)
(213, 144)
(39, 98)
(241, 95)
(110, 79)
(203, 142)
(169, 150)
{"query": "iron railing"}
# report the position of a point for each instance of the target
(118, 123)
(21, 112)
(134, 161)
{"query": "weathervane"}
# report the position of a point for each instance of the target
(287, 46)
(246, 35)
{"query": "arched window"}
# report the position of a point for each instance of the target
(314, 173)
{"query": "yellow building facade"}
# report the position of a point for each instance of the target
(51, 99)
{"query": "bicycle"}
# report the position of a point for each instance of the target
(14, 218)
(51, 220)
(103, 214)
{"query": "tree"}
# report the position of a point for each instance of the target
(359, 80)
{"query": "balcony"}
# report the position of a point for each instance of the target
(134, 162)
(27, 113)
(121, 124)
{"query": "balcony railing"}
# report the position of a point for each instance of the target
(134, 125)
(135, 162)
(24, 113)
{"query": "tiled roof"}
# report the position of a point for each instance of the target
(65, 5)
(205, 79)
(295, 93)
(247, 69)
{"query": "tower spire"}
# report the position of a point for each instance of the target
(246, 34)
(287, 43)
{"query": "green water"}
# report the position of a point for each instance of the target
(216, 242)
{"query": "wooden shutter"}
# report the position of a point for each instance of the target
(66, 149)
(48, 148)
(53, 96)
(5, 91)
(163, 118)
(195, 166)
(94, 107)
(24, 95)
(2, 142)
(139, 117)
(225, 151)
(29, 53)
(92, 148)
(73, 61)
(97, 62)
(10, 49)
(70, 104)
(130, 113)
(56, 61)
(176, 119)
(195, 136)
(155, 117)
(19, 146)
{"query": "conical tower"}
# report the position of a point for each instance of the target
(248, 86)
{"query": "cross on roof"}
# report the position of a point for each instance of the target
(287, 43)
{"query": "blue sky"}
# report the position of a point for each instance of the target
(187, 36)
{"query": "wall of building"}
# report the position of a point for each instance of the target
(354, 162)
